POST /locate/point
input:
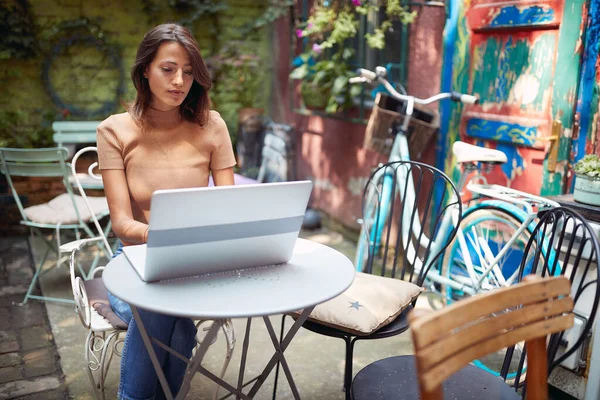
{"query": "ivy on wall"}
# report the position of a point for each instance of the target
(80, 56)
(17, 36)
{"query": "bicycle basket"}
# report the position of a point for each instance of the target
(422, 129)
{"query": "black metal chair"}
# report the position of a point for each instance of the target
(562, 243)
(408, 258)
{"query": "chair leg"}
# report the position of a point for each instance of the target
(229, 332)
(91, 365)
(38, 268)
(39, 272)
(107, 350)
(348, 367)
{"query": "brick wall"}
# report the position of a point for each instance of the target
(84, 77)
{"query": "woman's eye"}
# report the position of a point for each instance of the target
(166, 69)
(190, 73)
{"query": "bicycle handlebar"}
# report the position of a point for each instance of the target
(364, 75)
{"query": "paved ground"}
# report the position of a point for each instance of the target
(29, 360)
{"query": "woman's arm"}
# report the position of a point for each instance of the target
(223, 177)
(125, 227)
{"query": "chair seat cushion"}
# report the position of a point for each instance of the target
(396, 378)
(60, 210)
(98, 300)
(371, 302)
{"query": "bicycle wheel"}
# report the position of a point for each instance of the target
(496, 227)
(486, 231)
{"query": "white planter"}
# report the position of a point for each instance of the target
(587, 189)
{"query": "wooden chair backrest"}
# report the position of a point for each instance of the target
(447, 340)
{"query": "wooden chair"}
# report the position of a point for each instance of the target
(447, 340)
(562, 243)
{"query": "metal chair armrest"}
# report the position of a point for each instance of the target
(77, 245)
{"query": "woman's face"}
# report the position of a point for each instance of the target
(170, 76)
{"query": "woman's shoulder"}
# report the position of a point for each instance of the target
(214, 125)
(215, 120)
(116, 120)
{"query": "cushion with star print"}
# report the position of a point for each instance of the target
(370, 303)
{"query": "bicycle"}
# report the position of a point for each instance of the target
(494, 226)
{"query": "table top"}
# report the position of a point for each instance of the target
(314, 274)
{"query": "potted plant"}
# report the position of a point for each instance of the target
(587, 180)
(326, 65)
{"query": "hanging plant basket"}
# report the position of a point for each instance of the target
(314, 96)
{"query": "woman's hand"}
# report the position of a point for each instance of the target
(223, 177)
(125, 227)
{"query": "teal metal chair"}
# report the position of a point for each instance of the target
(66, 212)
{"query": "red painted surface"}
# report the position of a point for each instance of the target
(329, 151)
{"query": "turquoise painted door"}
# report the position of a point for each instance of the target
(522, 59)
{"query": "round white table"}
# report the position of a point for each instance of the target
(314, 274)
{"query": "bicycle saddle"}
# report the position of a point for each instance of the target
(466, 153)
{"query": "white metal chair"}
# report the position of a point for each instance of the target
(65, 212)
(104, 327)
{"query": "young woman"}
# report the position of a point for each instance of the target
(169, 138)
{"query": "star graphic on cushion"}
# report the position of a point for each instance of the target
(356, 305)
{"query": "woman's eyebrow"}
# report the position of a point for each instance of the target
(174, 63)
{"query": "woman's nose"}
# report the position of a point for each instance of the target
(178, 78)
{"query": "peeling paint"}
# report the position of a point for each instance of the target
(518, 16)
(502, 131)
(567, 71)
(522, 60)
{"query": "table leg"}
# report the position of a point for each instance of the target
(244, 355)
(197, 359)
(193, 364)
(278, 356)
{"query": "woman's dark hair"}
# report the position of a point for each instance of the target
(196, 106)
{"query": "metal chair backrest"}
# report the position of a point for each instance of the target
(407, 250)
(92, 175)
(563, 243)
(447, 340)
(46, 162)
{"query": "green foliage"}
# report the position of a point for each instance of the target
(17, 35)
(18, 130)
(189, 11)
(330, 75)
(589, 165)
(330, 29)
(240, 78)
(275, 10)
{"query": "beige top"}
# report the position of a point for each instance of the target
(168, 153)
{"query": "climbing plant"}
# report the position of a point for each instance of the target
(17, 33)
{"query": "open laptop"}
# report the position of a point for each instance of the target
(202, 230)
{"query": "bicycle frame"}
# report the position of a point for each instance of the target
(517, 202)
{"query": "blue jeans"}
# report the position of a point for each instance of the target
(138, 377)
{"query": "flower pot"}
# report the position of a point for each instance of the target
(314, 96)
(587, 189)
